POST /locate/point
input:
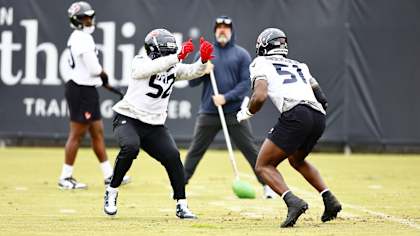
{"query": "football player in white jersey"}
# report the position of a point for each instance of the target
(139, 122)
(302, 105)
(82, 96)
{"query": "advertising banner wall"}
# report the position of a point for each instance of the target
(364, 54)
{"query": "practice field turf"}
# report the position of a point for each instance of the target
(380, 196)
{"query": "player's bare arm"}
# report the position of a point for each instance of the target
(259, 96)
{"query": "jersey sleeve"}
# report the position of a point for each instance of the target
(82, 44)
(307, 74)
(92, 63)
(190, 71)
(143, 67)
(258, 70)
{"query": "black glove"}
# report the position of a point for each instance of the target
(104, 78)
(320, 97)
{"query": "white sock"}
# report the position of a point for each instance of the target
(111, 189)
(324, 191)
(67, 171)
(284, 194)
(106, 169)
(182, 202)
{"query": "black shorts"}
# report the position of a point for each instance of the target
(298, 129)
(83, 102)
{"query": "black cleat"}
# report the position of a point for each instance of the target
(332, 207)
(295, 208)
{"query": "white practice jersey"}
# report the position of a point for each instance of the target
(289, 82)
(83, 60)
(151, 85)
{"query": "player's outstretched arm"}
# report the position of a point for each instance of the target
(258, 98)
(143, 67)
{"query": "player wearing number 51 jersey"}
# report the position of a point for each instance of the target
(302, 104)
(289, 82)
(141, 114)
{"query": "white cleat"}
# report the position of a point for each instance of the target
(269, 193)
(126, 180)
(110, 201)
(183, 212)
(70, 183)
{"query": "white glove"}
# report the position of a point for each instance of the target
(209, 67)
(243, 114)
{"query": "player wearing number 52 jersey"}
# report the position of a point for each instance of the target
(140, 118)
(302, 105)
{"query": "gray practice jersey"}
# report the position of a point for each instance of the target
(151, 85)
(289, 82)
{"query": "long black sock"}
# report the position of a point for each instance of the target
(122, 165)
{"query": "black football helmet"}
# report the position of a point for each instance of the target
(271, 41)
(77, 11)
(159, 43)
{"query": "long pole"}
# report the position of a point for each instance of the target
(225, 129)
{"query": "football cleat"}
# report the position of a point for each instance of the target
(70, 183)
(183, 212)
(110, 201)
(332, 207)
(295, 208)
(126, 180)
(269, 193)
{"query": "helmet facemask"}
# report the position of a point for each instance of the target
(279, 47)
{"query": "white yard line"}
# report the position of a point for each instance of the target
(378, 214)
(234, 208)
(166, 210)
(67, 211)
(21, 188)
(384, 216)
(253, 215)
(375, 186)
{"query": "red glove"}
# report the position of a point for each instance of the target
(206, 49)
(187, 48)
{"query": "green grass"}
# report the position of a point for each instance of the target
(380, 194)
